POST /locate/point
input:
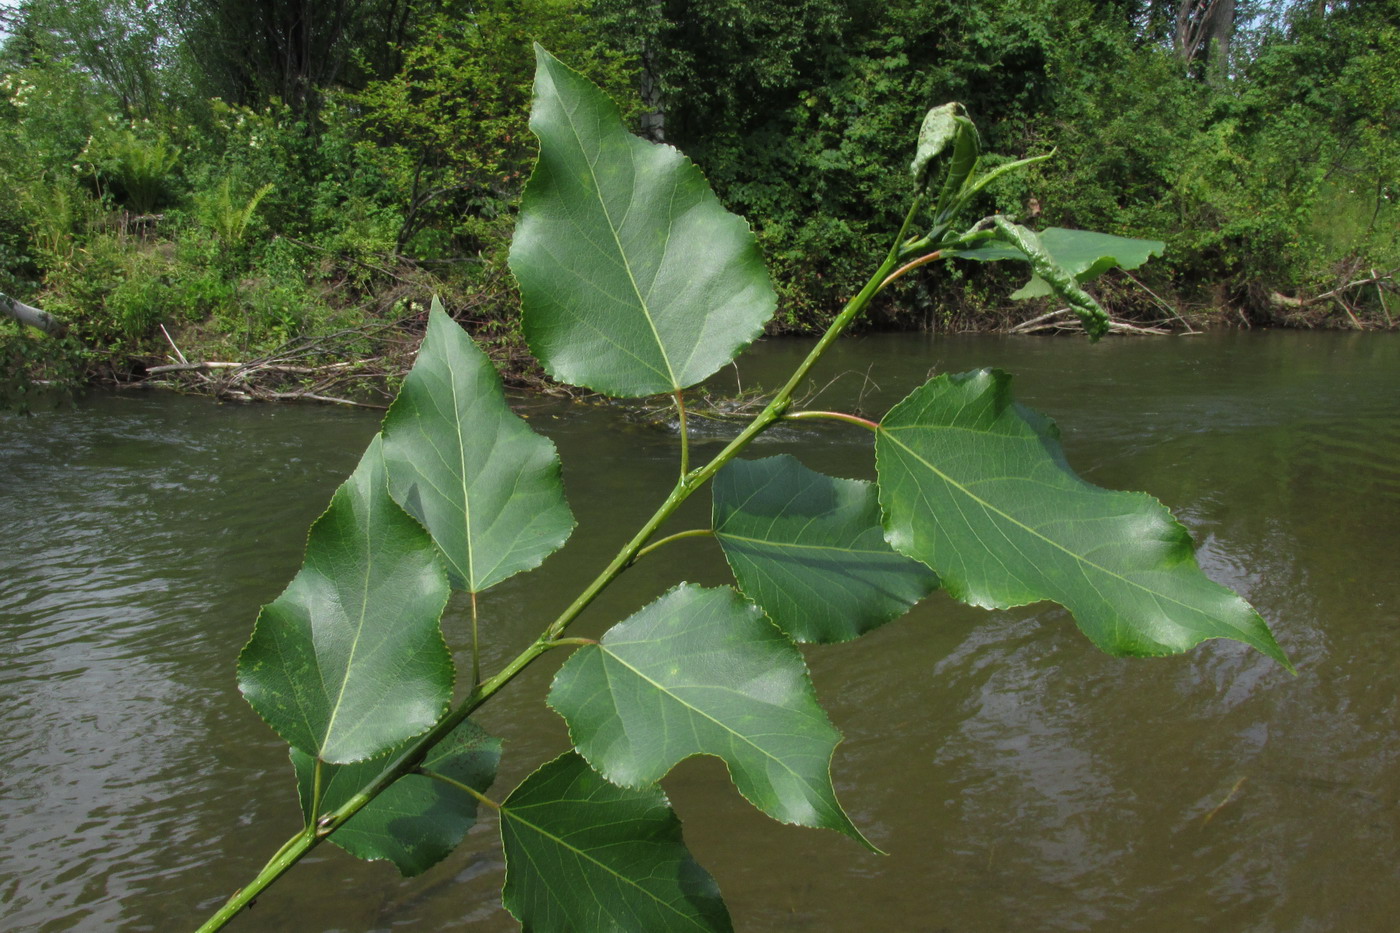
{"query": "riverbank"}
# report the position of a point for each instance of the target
(355, 352)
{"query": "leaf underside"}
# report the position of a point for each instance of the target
(977, 487)
(418, 820)
(584, 854)
(483, 483)
(809, 549)
(634, 279)
(1086, 255)
(702, 672)
(350, 661)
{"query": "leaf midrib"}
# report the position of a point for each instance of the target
(806, 547)
(608, 651)
(1032, 531)
(622, 253)
(515, 815)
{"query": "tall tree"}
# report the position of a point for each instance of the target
(1204, 29)
(252, 51)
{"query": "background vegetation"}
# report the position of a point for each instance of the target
(290, 180)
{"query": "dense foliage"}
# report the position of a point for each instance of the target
(307, 183)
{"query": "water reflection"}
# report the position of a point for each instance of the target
(1017, 779)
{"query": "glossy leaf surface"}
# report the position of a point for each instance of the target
(977, 487)
(418, 820)
(702, 672)
(633, 278)
(483, 483)
(349, 661)
(583, 854)
(809, 549)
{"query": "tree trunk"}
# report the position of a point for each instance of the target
(1204, 29)
(27, 314)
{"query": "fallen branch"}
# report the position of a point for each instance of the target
(1054, 321)
(32, 316)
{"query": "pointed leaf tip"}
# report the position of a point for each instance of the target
(349, 660)
(634, 279)
(484, 484)
(702, 672)
(978, 488)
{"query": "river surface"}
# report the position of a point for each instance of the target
(1018, 779)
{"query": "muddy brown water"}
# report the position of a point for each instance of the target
(1017, 779)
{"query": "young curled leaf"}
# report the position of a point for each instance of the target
(1059, 279)
(940, 128)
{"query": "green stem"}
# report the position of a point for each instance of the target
(315, 795)
(685, 434)
(466, 788)
(692, 533)
(476, 647)
(297, 847)
(832, 416)
(576, 642)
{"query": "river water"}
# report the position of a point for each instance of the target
(1017, 779)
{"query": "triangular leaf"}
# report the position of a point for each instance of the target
(583, 854)
(977, 487)
(349, 661)
(484, 484)
(809, 549)
(418, 820)
(702, 672)
(633, 278)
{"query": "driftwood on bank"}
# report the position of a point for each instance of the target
(1382, 282)
(292, 373)
(1062, 320)
(32, 316)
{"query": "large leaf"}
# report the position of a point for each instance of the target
(1086, 255)
(417, 820)
(484, 484)
(583, 854)
(702, 672)
(349, 661)
(977, 487)
(634, 279)
(1082, 253)
(810, 550)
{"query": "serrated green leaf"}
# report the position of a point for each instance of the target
(418, 820)
(809, 549)
(1086, 255)
(349, 661)
(633, 278)
(484, 484)
(702, 672)
(583, 854)
(977, 487)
